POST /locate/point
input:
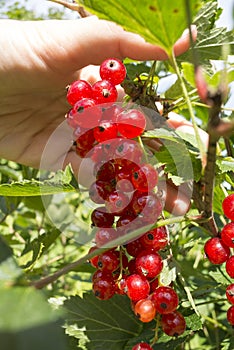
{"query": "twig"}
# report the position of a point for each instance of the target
(74, 7)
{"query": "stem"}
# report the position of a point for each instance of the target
(190, 108)
(74, 7)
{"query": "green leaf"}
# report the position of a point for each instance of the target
(193, 322)
(210, 40)
(108, 324)
(34, 188)
(160, 22)
(36, 248)
(225, 164)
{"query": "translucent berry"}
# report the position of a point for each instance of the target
(165, 299)
(155, 239)
(145, 178)
(104, 91)
(230, 266)
(173, 324)
(77, 90)
(230, 293)
(145, 310)
(142, 346)
(86, 113)
(104, 287)
(108, 261)
(101, 218)
(230, 315)
(137, 287)
(104, 236)
(106, 130)
(216, 251)
(116, 202)
(114, 70)
(228, 206)
(227, 234)
(149, 264)
(131, 123)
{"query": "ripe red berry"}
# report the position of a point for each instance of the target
(86, 113)
(104, 236)
(165, 299)
(116, 202)
(104, 91)
(94, 260)
(127, 150)
(84, 139)
(230, 315)
(142, 346)
(134, 247)
(131, 123)
(114, 70)
(228, 206)
(99, 191)
(104, 287)
(230, 266)
(216, 251)
(101, 218)
(145, 178)
(148, 206)
(149, 264)
(173, 324)
(230, 293)
(227, 234)
(77, 90)
(106, 130)
(137, 287)
(155, 239)
(145, 310)
(108, 261)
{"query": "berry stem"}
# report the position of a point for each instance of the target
(74, 7)
(155, 339)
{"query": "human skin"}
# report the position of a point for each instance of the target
(38, 60)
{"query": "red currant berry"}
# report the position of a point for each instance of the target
(101, 218)
(228, 206)
(128, 150)
(86, 113)
(134, 248)
(94, 260)
(131, 123)
(230, 293)
(142, 346)
(148, 206)
(84, 140)
(116, 202)
(230, 266)
(145, 310)
(216, 251)
(165, 299)
(105, 170)
(108, 261)
(173, 324)
(77, 90)
(227, 234)
(145, 178)
(114, 70)
(104, 91)
(230, 315)
(149, 264)
(99, 191)
(155, 239)
(111, 112)
(153, 285)
(106, 130)
(104, 287)
(104, 236)
(137, 287)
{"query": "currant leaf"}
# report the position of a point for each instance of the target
(110, 324)
(154, 20)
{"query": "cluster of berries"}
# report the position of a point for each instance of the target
(125, 192)
(218, 251)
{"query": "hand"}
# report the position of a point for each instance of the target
(38, 60)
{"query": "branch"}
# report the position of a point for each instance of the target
(74, 7)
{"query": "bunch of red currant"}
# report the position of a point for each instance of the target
(218, 251)
(126, 196)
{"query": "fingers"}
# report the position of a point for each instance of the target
(90, 40)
